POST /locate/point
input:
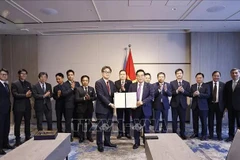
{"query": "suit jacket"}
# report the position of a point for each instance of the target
(180, 98)
(103, 97)
(202, 100)
(126, 85)
(147, 97)
(232, 98)
(59, 100)
(82, 104)
(220, 95)
(21, 103)
(68, 94)
(5, 103)
(161, 97)
(40, 102)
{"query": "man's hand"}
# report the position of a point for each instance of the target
(59, 93)
(139, 103)
(165, 87)
(123, 88)
(28, 94)
(112, 105)
(73, 85)
(46, 94)
(180, 89)
(196, 93)
(87, 97)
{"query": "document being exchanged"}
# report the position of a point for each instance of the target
(125, 100)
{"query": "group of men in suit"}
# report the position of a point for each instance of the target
(75, 103)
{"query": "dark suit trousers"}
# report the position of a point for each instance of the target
(60, 112)
(48, 116)
(4, 129)
(18, 116)
(138, 123)
(180, 112)
(233, 115)
(68, 119)
(164, 113)
(126, 113)
(215, 111)
(82, 118)
(202, 114)
(104, 126)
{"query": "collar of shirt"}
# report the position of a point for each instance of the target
(217, 83)
(42, 84)
(235, 81)
(141, 83)
(106, 80)
(199, 84)
(2, 82)
(122, 82)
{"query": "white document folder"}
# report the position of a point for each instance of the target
(125, 100)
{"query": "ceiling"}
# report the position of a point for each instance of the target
(57, 17)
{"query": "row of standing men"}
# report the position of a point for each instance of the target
(75, 101)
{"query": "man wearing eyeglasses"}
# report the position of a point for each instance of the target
(5, 106)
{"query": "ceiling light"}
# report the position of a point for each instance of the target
(215, 9)
(174, 9)
(49, 11)
(24, 29)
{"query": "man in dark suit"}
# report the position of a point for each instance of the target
(59, 104)
(232, 102)
(5, 107)
(105, 89)
(144, 95)
(180, 92)
(22, 92)
(84, 97)
(215, 105)
(200, 93)
(42, 93)
(162, 91)
(70, 105)
(122, 85)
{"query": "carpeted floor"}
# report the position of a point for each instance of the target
(206, 150)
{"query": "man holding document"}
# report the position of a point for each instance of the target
(144, 95)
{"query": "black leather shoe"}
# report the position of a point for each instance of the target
(229, 139)
(135, 146)
(2, 152)
(81, 140)
(220, 138)
(8, 147)
(110, 145)
(27, 138)
(203, 138)
(194, 136)
(128, 136)
(76, 135)
(210, 137)
(18, 143)
(119, 136)
(71, 139)
(183, 137)
(100, 148)
(90, 139)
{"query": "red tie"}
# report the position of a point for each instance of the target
(108, 88)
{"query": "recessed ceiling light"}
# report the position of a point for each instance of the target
(49, 11)
(215, 9)
(174, 9)
(24, 29)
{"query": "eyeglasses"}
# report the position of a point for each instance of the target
(106, 72)
(4, 74)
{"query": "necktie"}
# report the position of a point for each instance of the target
(214, 94)
(198, 87)
(108, 88)
(43, 88)
(179, 83)
(234, 85)
(139, 91)
(6, 86)
(86, 90)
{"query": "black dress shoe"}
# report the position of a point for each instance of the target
(27, 138)
(194, 136)
(76, 135)
(90, 139)
(81, 140)
(71, 139)
(100, 148)
(128, 136)
(229, 139)
(210, 137)
(203, 138)
(135, 146)
(8, 147)
(109, 144)
(220, 138)
(183, 137)
(18, 143)
(2, 152)
(119, 136)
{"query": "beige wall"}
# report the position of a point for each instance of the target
(86, 54)
(1, 51)
(214, 51)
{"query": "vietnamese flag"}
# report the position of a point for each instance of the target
(130, 67)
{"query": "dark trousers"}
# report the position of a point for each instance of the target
(48, 116)
(60, 112)
(18, 116)
(104, 127)
(215, 111)
(68, 119)
(202, 114)
(4, 129)
(164, 113)
(82, 118)
(233, 115)
(126, 113)
(181, 113)
(139, 123)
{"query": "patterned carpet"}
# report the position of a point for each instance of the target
(206, 150)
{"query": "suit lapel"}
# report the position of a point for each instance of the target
(40, 88)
